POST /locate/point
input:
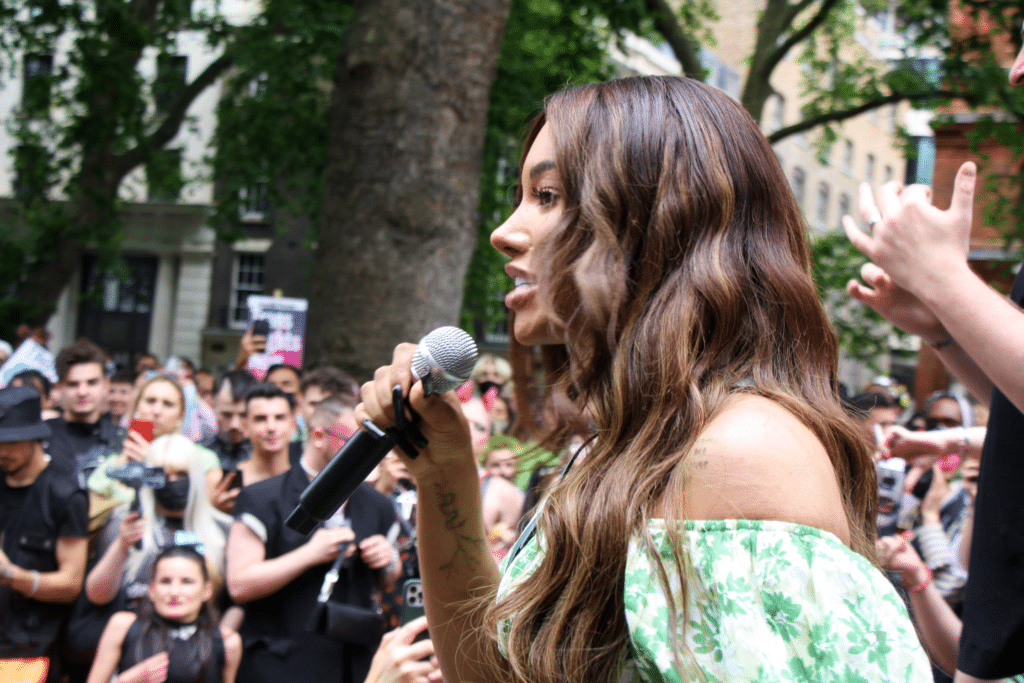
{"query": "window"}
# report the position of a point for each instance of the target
(258, 86)
(821, 212)
(163, 176)
(869, 169)
(888, 173)
(848, 156)
(844, 206)
(246, 279)
(35, 92)
(30, 171)
(893, 117)
(779, 115)
(253, 202)
(171, 71)
(798, 181)
(720, 74)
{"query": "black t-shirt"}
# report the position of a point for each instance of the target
(77, 446)
(277, 624)
(992, 644)
(34, 518)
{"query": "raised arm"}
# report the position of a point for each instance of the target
(454, 559)
(923, 251)
(937, 623)
(104, 580)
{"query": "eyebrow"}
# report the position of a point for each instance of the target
(540, 168)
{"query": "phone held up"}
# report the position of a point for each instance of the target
(143, 428)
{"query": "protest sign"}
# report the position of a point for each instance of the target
(30, 355)
(287, 336)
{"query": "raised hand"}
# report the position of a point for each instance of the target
(443, 423)
(915, 243)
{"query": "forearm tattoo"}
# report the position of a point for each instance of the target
(455, 523)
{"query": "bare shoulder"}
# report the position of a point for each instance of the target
(756, 460)
(118, 625)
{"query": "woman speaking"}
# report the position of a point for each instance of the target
(721, 524)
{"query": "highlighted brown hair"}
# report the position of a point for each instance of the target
(681, 273)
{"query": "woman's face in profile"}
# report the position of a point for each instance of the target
(533, 222)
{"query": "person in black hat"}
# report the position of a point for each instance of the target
(44, 527)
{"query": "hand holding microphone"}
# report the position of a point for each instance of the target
(443, 360)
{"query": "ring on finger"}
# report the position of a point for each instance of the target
(874, 219)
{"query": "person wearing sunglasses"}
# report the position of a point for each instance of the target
(282, 578)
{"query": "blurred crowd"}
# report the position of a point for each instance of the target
(143, 522)
(144, 509)
(928, 459)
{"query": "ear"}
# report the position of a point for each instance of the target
(207, 590)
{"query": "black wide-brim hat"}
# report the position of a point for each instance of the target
(21, 416)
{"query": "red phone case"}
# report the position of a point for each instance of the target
(144, 428)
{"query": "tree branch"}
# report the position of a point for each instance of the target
(843, 114)
(171, 124)
(802, 33)
(667, 24)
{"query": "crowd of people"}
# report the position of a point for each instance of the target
(705, 503)
(143, 509)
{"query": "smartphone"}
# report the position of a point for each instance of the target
(261, 327)
(235, 477)
(412, 606)
(144, 428)
(891, 476)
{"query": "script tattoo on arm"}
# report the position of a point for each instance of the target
(455, 523)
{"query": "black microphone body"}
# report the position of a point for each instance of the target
(444, 359)
(340, 478)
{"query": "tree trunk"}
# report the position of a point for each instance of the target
(399, 213)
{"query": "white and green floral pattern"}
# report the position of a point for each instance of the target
(770, 601)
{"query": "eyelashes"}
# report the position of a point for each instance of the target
(544, 196)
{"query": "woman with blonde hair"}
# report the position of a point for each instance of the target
(721, 525)
(131, 541)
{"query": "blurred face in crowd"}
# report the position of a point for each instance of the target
(479, 424)
(230, 415)
(84, 391)
(178, 589)
(501, 462)
(160, 403)
(119, 398)
(286, 379)
(944, 413)
(490, 373)
(311, 398)
(16, 456)
(204, 386)
(270, 423)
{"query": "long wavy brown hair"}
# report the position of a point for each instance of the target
(681, 273)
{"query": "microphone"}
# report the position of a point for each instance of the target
(443, 360)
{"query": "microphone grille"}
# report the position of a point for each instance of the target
(446, 358)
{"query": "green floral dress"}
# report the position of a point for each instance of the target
(771, 601)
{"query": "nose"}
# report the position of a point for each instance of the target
(509, 238)
(1017, 70)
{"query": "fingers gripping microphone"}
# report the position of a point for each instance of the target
(443, 360)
